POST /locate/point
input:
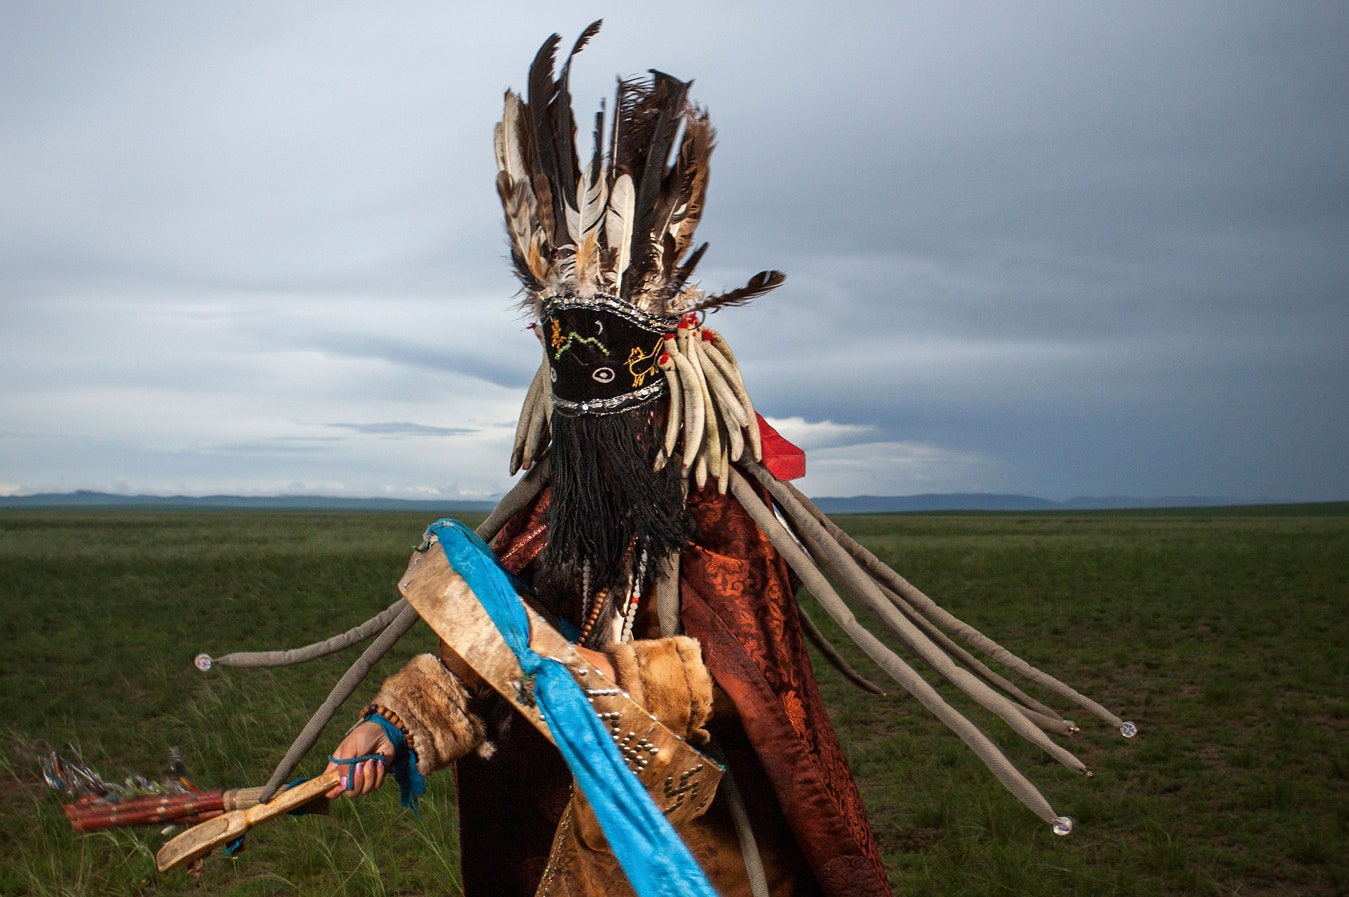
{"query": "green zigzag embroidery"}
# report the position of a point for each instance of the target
(576, 337)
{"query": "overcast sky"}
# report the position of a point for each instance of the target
(1057, 249)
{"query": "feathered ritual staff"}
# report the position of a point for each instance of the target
(657, 547)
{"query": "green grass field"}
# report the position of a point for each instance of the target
(1222, 633)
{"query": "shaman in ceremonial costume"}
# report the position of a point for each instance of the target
(645, 521)
(634, 420)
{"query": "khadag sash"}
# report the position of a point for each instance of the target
(638, 776)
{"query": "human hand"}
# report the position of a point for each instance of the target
(366, 776)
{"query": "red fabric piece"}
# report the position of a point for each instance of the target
(738, 602)
(783, 459)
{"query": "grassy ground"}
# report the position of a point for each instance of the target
(1221, 633)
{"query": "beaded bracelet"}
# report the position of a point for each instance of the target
(387, 714)
(411, 785)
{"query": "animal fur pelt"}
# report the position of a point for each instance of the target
(435, 708)
(668, 678)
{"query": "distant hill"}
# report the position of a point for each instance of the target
(87, 499)
(954, 501)
(984, 501)
(861, 504)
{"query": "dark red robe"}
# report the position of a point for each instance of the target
(738, 601)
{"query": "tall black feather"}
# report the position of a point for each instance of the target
(564, 125)
(653, 125)
(539, 110)
(597, 155)
(758, 285)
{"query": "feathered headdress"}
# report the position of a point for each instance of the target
(604, 249)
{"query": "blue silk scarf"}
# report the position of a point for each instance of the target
(655, 860)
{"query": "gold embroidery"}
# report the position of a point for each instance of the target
(636, 357)
(525, 542)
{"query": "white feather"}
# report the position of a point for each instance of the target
(510, 157)
(618, 224)
(592, 192)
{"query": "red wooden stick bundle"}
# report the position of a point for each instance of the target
(192, 806)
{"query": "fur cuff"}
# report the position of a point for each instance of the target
(668, 678)
(434, 706)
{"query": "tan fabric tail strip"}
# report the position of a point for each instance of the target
(529, 427)
(840, 566)
(404, 616)
(353, 636)
(667, 597)
(935, 612)
(521, 494)
(352, 678)
(1038, 710)
(744, 833)
(814, 580)
(839, 662)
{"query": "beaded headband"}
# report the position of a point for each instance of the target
(602, 354)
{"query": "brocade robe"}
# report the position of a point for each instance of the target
(769, 726)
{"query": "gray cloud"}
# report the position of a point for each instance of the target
(402, 428)
(1045, 248)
